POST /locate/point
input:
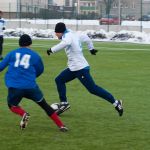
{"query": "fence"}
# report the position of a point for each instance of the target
(116, 12)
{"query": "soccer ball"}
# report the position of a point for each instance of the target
(55, 106)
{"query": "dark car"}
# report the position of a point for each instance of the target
(109, 19)
(144, 18)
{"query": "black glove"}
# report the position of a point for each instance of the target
(93, 51)
(49, 51)
(3, 28)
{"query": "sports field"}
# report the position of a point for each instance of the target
(121, 68)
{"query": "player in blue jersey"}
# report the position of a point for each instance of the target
(24, 66)
(78, 67)
(2, 28)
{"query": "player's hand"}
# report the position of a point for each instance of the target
(93, 51)
(49, 51)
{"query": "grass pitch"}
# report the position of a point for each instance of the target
(121, 68)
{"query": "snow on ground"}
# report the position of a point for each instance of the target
(101, 35)
(144, 24)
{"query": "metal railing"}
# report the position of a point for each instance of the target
(118, 12)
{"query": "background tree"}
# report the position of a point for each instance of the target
(108, 4)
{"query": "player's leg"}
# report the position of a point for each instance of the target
(37, 96)
(87, 80)
(52, 114)
(1, 46)
(61, 80)
(13, 99)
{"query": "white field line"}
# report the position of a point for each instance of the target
(99, 48)
(121, 49)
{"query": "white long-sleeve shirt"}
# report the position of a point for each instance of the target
(2, 24)
(73, 48)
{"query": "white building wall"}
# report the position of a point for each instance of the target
(13, 5)
(61, 2)
(6, 5)
(41, 3)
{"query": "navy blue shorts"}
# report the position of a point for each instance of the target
(15, 95)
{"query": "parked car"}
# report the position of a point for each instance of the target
(109, 19)
(144, 18)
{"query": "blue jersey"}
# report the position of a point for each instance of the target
(24, 65)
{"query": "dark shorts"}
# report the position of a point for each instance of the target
(15, 95)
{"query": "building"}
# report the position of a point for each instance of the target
(83, 9)
(13, 7)
(82, 6)
(61, 2)
(126, 8)
(87, 6)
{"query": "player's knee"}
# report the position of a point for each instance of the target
(9, 106)
(92, 89)
(57, 80)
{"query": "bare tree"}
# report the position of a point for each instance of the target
(108, 4)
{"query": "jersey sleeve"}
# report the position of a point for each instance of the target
(85, 39)
(59, 46)
(66, 41)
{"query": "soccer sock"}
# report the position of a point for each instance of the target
(64, 103)
(56, 119)
(115, 103)
(18, 110)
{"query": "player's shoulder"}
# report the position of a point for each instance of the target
(25, 50)
(68, 34)
(34, 54)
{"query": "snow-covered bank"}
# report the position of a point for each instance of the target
(122, 36)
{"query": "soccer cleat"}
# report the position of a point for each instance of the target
(119, 108)
(62, 108)
(24, 121)
(63, 129)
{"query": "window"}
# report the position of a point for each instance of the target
(67, 3)
(125, 5)
(115, 5)
(133, 5)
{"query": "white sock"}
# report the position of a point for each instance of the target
(115, 103)
(64, 103)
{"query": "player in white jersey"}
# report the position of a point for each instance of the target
(78, 67)
(2, 28)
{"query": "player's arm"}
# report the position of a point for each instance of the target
(84, 38)
(63, 44)
(39, 67)
(4, 62)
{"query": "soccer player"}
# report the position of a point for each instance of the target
(2, 28)
(78, 67)
(24, 66)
